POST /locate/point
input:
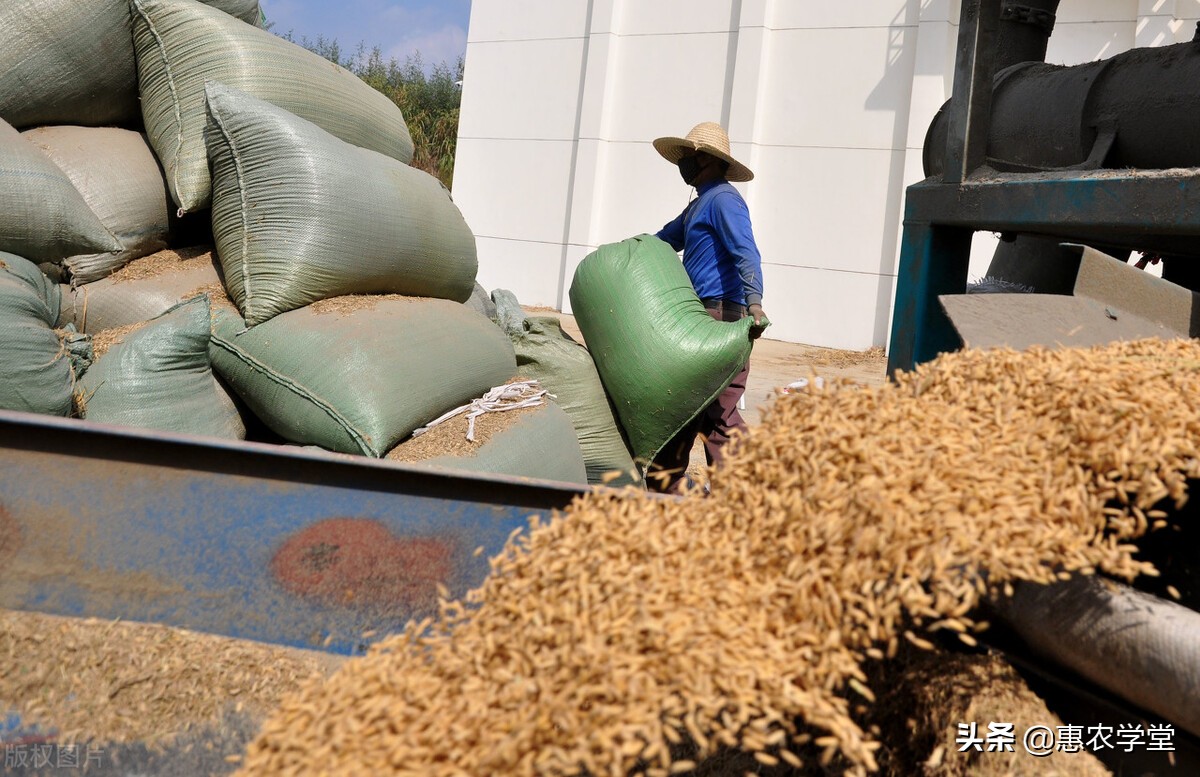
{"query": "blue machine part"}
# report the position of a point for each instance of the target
(247, 540)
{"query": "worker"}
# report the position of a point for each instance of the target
(725, 268)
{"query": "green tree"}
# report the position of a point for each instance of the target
(429, 101)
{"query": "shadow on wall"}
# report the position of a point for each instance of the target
(893, 93)
(735, 21)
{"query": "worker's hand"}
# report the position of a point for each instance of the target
(760, 321)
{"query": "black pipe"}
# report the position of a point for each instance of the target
(1022, 36)
(1038, 263)
(1139, 109)
(1024, 31)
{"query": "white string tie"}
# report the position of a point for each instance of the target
(510, 396)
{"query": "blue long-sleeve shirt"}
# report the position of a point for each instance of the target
(719, 252)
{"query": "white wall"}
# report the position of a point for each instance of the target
(827, 102)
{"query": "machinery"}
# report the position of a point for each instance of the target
(1112, 166)
(247, 540)
(1062, 161)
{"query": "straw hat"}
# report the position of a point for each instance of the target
(707, 136)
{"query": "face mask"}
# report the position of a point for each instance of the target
(689, 168)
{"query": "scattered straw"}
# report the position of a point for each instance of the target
(104, 340)
(831, 357)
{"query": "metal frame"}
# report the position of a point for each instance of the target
(1142, 209)
(110, 522)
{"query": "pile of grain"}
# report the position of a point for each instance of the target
(449, 438)
(162, 262)
(635, 634)
(108, 681)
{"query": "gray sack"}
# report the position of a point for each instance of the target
(119, 177)
(181, 44)
(43, 217)
(71, 61)
(299, 215)
(358, 379)
(132, 295)
(159, 377)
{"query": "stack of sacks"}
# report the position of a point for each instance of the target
(301, 217)
(86, 195)
(333, 276)
(68, 78)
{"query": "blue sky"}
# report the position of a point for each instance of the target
(436, 28)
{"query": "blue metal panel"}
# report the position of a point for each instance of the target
(1143, 209)
(247, 540)
(933, 261)
(1140, 209)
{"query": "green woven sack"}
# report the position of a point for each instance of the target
(116, 172)
(246, 10)
(159, 377)
(43, 217)
(662, 358)
(36, 371)
(565, 369)
(299, 215)
(71, 61)
(540, 443)
(144, 289)
(359, 379)
(481, 302)
(182, 43)
(47, 290)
